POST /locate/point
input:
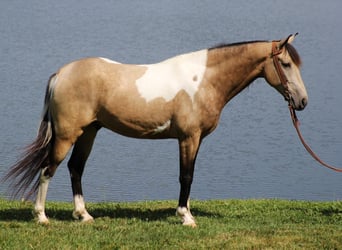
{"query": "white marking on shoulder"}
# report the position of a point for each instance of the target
(108, 60)
(166, 79)
(161, 128)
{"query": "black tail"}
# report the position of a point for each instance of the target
(35, 156)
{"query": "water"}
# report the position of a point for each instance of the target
(254, 153)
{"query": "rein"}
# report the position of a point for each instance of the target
(295, 121)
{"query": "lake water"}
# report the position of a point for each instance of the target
(254, 153)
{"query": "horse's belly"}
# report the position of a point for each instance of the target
(149, 127)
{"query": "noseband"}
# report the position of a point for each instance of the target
(287, 95)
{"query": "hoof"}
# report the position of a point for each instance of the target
(192, 224)
(186, 216)
(88, 220)
(84, 217)
(40, 217)
(43, 221)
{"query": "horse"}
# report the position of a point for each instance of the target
(181, 98)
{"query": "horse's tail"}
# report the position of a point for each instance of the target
(23, 174)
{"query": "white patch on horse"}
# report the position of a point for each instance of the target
(186, 216)
(166, 79)
(41, 198)
(80, 211)
(108, 60)
(161, 128)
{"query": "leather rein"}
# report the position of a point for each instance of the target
(287, 95)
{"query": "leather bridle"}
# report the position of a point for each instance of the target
(280, 72)
(287, 95)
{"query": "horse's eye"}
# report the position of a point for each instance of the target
(286, 65)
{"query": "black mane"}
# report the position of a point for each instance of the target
(290, 49)
(226, 45)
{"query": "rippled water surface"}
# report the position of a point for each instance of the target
(254, 153)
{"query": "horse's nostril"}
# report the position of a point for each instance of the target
(304, 102)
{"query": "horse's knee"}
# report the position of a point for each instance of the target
(186, 179)
(49, 171)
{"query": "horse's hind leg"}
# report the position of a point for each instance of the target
(58, 153)
(76, 165)
(39, 208)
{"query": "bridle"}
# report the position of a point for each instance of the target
(280, 72)
(287, 95)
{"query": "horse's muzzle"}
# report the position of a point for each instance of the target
(300, 105)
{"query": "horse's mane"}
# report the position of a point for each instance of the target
(289, 48)
(226, 45)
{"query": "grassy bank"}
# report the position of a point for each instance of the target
(229, 224)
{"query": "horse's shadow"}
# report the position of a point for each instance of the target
(148, 214)
(16, 214)
(25, 214)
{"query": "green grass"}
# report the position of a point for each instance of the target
(222, 224)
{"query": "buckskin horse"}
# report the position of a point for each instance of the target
(181, 97)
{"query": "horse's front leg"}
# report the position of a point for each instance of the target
(188, 149)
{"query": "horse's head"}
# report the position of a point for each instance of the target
(282, 71)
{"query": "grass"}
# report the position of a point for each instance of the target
(222, 224)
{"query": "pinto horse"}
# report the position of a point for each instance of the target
(181, 97)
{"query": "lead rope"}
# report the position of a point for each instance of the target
(296, 124)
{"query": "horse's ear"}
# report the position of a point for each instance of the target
(289, 39)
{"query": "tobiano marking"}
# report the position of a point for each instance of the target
(79, 202)
(80, 211)
(166, 79)
(161, 128)
(108, 60)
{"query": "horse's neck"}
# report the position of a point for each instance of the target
(234, 68)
